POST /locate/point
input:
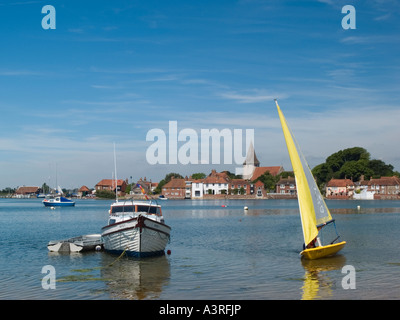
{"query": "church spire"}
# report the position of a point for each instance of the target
(251, 157)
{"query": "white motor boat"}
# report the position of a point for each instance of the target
(136, 228)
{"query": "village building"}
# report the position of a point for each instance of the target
(286, 186)
(216, 183)
(385, 187)
(197, 187)
(111, 184)
(174, 189)
(147, 185)
(83, 192)
(259, 189)
(241, 187)
(26, 192)
(339, 189)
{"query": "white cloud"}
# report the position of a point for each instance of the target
(250, 96)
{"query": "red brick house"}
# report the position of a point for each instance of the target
(240, 186)
(385, 187)
(286, 186)
(259, 189)
(174, 189)
(109, 184)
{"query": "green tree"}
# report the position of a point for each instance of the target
(232, 175)
(380, 168)
(351, 163)
(268, 179)
(198, 176)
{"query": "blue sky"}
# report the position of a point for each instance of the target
(113, 70)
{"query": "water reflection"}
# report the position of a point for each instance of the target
(136, 279)
(317, 283)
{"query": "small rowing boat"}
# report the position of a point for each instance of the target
(76, 244)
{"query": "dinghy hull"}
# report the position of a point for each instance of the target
(323, 251)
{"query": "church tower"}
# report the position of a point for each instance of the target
(251, 163)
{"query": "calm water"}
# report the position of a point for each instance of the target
(216, 253)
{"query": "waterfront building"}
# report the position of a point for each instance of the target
(385, 187)
(197, 189)
(259, 189)
(109, 184)
(339, 189)
(26, 192)
(216, 183)
(147, 185)
(286, 186)
(174, 189)
(241, 187)
(83, 192)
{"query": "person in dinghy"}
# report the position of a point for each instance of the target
(312, 244)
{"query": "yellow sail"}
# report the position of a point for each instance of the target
(313, 210)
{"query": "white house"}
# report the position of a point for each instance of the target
(197, 189)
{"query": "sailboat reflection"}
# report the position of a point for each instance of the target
(136, 279)
(317, 283)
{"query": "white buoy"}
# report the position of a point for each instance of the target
(358, 208)
(246, 208)
(98, 248)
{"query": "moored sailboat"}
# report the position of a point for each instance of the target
(58, 202)
(314, 213)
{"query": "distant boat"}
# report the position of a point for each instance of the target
(314, 213)
(162, 197)
(136, 228)
(77, 244)
(58, 202)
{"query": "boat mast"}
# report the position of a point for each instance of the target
(116, 180)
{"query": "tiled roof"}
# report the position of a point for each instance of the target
(288, 180)
(261, 170)
(385, 181)
(110, 182)
(84, 189)
(340, 183)
(175, 183)
(26, 190)
(216, 179)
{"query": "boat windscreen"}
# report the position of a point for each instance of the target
(147, 209)
(129, 208)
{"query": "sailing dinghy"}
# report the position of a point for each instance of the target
(314, 213)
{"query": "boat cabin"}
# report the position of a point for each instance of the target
(135, 207)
